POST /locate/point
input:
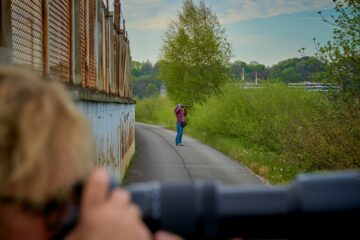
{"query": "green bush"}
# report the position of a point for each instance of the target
(156, 110)
(330, 141)
(276, 131)
(263, 117)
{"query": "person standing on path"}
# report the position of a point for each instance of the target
(180, 112)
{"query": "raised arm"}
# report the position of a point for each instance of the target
(177, 108)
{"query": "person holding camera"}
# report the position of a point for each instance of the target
(180, 112)
(46, 149)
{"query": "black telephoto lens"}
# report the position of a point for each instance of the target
(314, 206)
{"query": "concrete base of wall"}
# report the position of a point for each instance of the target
(113, 125)
(127, 159)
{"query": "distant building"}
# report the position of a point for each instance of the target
(314, 86)
(162, 90)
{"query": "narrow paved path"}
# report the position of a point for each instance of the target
(158, 159)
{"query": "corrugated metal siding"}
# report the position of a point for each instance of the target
(43, 37)
(127, 73)
(123, 66)
(26, 18)
(92, 45)
(112, 57)
(107, 58)
(113, 126)
(60, 39)
(84, 40)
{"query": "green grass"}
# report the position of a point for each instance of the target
(276, 131)
(156, 110)
(270, 165)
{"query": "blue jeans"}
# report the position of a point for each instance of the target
(180, 131)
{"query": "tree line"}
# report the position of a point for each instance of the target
(147, 82)
(195, 57)
(292, 70)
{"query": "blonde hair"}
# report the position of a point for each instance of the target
(45, 143)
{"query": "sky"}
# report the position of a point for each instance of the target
(266, 31)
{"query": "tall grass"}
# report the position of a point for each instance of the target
(263, 117)
(156, 110)
(276, 131)
(256, 125)
(331, 141)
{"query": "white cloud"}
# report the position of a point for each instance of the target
(156, 14)
(233, 11)
(149, 14)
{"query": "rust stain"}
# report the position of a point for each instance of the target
(113, 161)
(42, 39)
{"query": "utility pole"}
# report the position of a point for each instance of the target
(256, 80)
(243, 74)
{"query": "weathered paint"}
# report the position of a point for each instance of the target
(113, 127)
(69, 46)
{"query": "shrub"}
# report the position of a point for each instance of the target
(156, 110)
(275, 130)
(261, 116)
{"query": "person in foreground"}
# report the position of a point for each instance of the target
(180, 112)
(45, 150)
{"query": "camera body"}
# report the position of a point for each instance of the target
(315, 206)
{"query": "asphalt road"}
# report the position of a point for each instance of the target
(159, 159)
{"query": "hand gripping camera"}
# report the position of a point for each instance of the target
(320, 206)
(312, 207)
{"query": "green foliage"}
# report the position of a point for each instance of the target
(147, 68)
(272, 166)
(342, 54)
(136, 68)
(145, 79)
(156, 110)
(296, 70)
(236, 69)
(152, 89)
(276, 131)
(301, 128)
(195, 54)
(291, 70)
(330, 141)
(263, 117)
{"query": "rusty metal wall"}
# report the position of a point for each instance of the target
(91, 83)
(114, 127)
(122, 64)
(100, 45)
(83, 41)
(27, 34)
(60, 39)
(91, 46)
(42, 38)
(128, 71)
(107, 52)
(112, 56)
(125, 66)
